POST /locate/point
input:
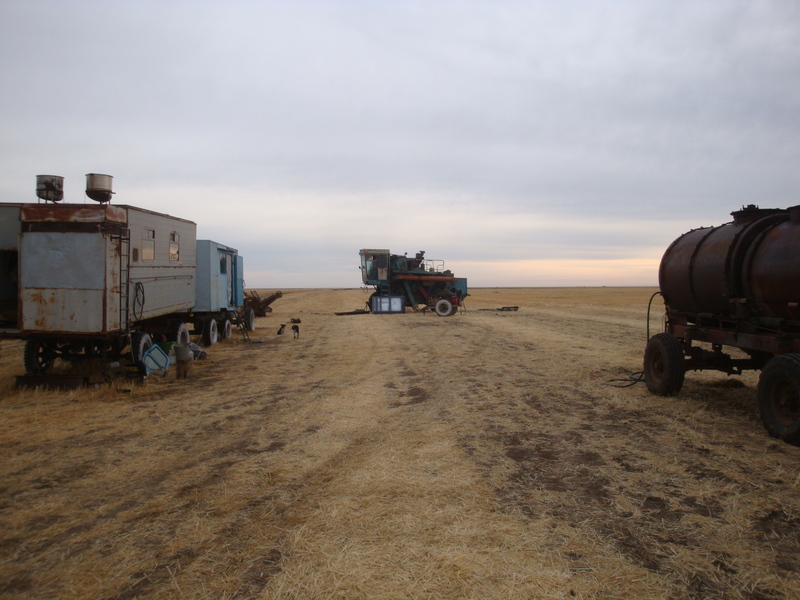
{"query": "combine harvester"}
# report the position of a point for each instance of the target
(735, 285)
(417, 282)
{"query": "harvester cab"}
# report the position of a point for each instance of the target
(417, 282)
(374, 266)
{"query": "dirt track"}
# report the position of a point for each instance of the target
(402, 456)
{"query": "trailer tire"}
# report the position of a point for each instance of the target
(38, 356)
(181, 334)
(444, 308)
(249, 318)
(664, 366)
(210, 332)
(226, 331)
(779, 397)
(141, 342)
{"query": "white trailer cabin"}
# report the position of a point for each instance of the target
(96, 270)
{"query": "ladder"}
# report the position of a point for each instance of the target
(122, 236)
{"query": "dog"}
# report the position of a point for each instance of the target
(296, 331)
(296, 321)
(283, 326)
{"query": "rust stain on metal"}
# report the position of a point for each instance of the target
(73, 213)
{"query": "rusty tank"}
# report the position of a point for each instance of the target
(736, 285)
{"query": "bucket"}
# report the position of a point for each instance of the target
(183, 352)
(155, 360)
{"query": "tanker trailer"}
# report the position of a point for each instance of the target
(738, 286)
(416, 282)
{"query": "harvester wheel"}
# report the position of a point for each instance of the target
(210, 332)
(227, 329)
(38, 356)
(664, 366)
(249, 319)
(444, 308)
(369, 300)
(779, 397)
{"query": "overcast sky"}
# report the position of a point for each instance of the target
(526, 143)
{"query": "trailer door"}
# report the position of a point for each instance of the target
(225, 281)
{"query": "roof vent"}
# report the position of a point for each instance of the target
(50, 188)
(98, 187)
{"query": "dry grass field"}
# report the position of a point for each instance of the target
(480, 456)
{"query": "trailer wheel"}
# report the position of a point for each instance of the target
(227, 330)
(210, 332)
(664, 366)
(779, 397)
(181, 334)
(141, 342)
(249, 319)
(444, 308)
(39, 356)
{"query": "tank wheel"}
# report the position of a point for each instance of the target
(210, 332)
(249, 319)
(444, 308)
(181, 334)
(39, 356)
(664, 366)
(226, 330)
(141, 342)
(779, 397)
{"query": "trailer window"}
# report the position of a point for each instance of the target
(174, 247)
(223, 264)
(149, 244)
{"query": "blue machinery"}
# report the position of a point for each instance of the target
(419, 282)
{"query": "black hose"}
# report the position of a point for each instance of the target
(636, 376)
(632, 379)
(138, 300)
(649, 304)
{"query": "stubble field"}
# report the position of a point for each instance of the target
(479, 456)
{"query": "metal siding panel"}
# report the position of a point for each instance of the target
(62, 311)
(62, 260)
(164, 294)
(168, 286)
(205, 249)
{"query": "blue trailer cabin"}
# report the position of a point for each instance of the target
(220, 278)
(219, 293)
